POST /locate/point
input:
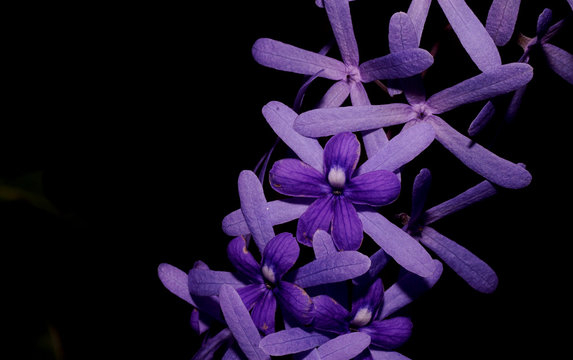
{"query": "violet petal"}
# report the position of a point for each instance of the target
(322, 244)
(280, 255)
(501, 20)
(342, 151)
(317, 216)
(335, 95)
(263, 313)
(396, 65)
(559, 61)
(295, 301)
(329, 315)
(211, 345)
(418, 12)
(401, 33)
(252, 294)
(208, 282)
(420, 191)
(376, 188)
(341, 23)
(344, 347)
(387, 355)
(176, 281)
(390, 333)
(346, 226)
(291, 341)
(482, 119)
(367, 300)
(296, 178)
(243, 260)
(358, 95)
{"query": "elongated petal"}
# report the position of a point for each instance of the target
(295, 178)
(342, 152)
(330, 121)
(211, 345)
(469, 267)
(341, 22)
(281, 211)
(420, 191)
(543, 22)
(482, 119)
(559, 61)
(291, 341)
(335, 95)
(176, 281)
(295, 301)
(346, 226)
(329, 315)
(390, 333)
(243, 260)
(496, 81)
(233, 353)
(376, 188)
(492, 167)
(344, 347)
(396, 65)
(377, 262)
(476, 193)
(387, 355)
(408, 287)
(263, 313)
(401, 149)
(514, 104)
(240, 323)
(285, 57)
(404, 249)
(254, 208)
(322, 244)
(208, 282)
(501, 20)
(340, 266)
(317, 216)
(401, 33)
(472, 34)
(280, 255)
(281, 119)
(418, 12)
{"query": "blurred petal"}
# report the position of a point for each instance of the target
(346, 226)
(291, 341)
(342, 151)
(211, 345)
(322, 244)
(559, 61)
(492, 167)
(285, 57)
(243, 260)
(208, 282)
(254, 208)
(471, 33)
(240, 323)
(281, 119)
(340, 266)
(175, 280)
(496, 81)
(317, 216)
(387, 355)
(515, 104)
(390, 333)
(330, 121)
(468, 266)
(501, 20)
(408, 287)
(329, 315)
(377, 262)
(280, 254)
(482, 119)
(335, 95)
(295, 301)
(296, 178)
(344, 347)
(263, 313)
(543, 22)
(420, 191)
(376, 188)
(404, 249)
(401, 149)
(233, 353)
(396, 65)
(418, 12)
(341, 22)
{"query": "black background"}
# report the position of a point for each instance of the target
(134, 121)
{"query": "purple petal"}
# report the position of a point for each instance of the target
(496, 81)
(376, 188)
(378, 261)
(335, 95)
(211, 345)
(366, 303)
(329, 315)
(477, 193)
(297, 103)
(252, 294)
(408, 287)
(482, 119)
(285, 57)
(570, 3)
(208, 282)
(344, 347)
(339, 15)
(295, 301)
(396, 65)
(468, 266)
(342, 152)
(279, 256)
(559, 61)
(240, 323)
(322, 244)
(418, 12)
(358, 95)
(401, 149)
(390, 333)
(330, 121)
(374, 141)
(472, 34)
(497, 170)
(232, 353)
(291, 341)
(401, 33)
(420, 191)
(175, 280)
(243, 260)
(404, 249)
(501, 20)
(346, 226)
(317, 216)
(263, 313)
(296, 178)
(386, 355)
(515, 104)
(543, 22)
(281, 119)
(340, 266)
(254, 208)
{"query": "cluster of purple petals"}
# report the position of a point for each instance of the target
(314, 293)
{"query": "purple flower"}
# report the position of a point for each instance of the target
(469, 267)
(336, 189)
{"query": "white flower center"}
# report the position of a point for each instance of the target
(336, 177)
(268, 274)
(423, 111)
(362, 317)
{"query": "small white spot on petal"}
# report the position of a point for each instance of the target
(336, 177)
(362, 317)
(268, 274)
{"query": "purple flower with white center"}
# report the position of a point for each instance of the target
(419, 110)
(336, 190)
(469, 267)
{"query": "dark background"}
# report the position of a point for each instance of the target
(124, 131)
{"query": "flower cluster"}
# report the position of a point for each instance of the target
(316, 292)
